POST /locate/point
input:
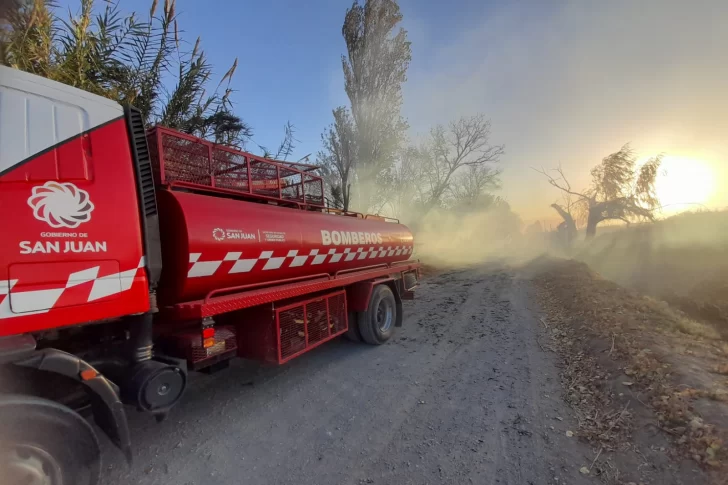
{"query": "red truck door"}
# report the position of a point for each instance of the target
(72, 247)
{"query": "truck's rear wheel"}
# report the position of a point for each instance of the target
(45, 443)
(376, 324)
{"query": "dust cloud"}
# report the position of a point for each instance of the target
(682, 259)
(447, 238)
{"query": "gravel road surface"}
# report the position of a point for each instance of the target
(462, 394)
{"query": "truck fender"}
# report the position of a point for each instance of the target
(358, 295)
(107, 408)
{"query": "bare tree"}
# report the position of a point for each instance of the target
(332, 188)
(406, 187)
(618, 191)
(465, 144)
(339, 157)
(472, 187)
(566, 210)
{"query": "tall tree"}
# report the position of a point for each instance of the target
(375, 68)
(619, 189)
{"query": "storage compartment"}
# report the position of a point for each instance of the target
(276, 334)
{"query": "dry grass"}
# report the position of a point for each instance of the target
(680, 322)
(625, 355)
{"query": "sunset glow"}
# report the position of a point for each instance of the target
(684, 182)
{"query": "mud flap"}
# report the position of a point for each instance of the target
(108, 410)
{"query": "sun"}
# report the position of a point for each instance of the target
(684, 183)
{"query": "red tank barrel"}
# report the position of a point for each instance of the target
(211, 243)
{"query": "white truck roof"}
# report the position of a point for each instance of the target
(37, 114)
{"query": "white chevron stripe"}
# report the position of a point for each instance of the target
(31, 302)
(243, 266)
(335, 257)
(83, 276)
(319, 258)
(203, 268)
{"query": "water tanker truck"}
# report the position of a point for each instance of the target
(131, 257)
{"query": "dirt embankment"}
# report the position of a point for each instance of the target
(682, 260)
(649, 386)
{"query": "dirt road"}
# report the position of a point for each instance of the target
(462, 394)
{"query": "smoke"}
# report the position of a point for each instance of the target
(682, 259)
(673, 256)
(455, 238)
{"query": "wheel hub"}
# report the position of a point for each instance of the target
(29, 465)
(384, 315)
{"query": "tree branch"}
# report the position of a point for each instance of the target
(562, 184)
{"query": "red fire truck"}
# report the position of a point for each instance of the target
(130, 257)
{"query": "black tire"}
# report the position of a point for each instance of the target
(376, 325)
(42, 441)
(352, 332)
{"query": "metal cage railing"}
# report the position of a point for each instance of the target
(184, 160)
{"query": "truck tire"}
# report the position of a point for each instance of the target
(376, 324)
(352, 333)
(45, 443)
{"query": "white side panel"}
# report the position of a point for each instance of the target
(37, 113)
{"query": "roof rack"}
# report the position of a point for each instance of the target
(182, 160)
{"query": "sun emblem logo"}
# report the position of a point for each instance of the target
(61, 204)
(218, 234)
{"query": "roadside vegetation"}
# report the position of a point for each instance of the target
(639, 317)
(639, 375)
(139, 58)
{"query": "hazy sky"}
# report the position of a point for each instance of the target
(572, 83)
(562, 82)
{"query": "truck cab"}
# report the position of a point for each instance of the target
(73, 247)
